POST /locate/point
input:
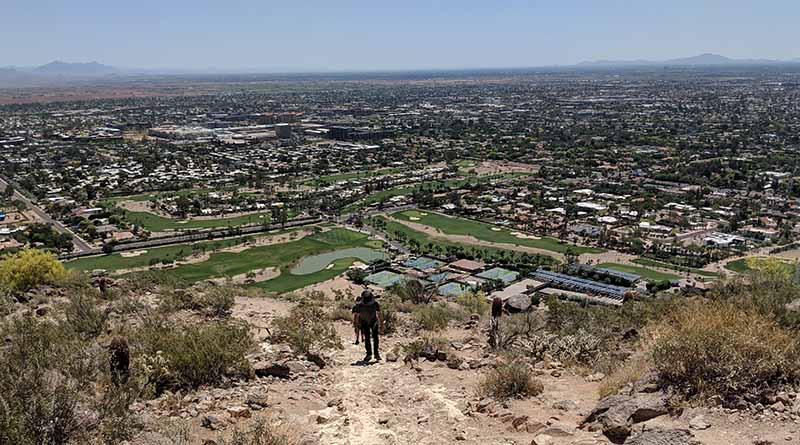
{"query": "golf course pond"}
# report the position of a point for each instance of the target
(316, 263)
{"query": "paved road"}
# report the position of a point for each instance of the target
(80, 244)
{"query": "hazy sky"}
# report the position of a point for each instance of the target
(401, 34)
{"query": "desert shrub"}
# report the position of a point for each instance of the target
(150, 280)
(186, 357)
(261, 432)
(342, 307)
(313, 297)
(306, 330)
(216, 301)
(48, 378)
(515, 328)
(628, 373)
(76, 281)
(6, 303)
(474, 303)
(435, 316)
(84, 316)
(513, 380)
(389, 309)
(721, 349)
(30, 268)
(604, 322)
(413, 291)
(767, 289)
(397, 304)
(357, 276)
(340, 313)
(580, 348)
(415, 348)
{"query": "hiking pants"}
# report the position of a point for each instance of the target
(370, 332)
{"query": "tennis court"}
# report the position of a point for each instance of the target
(498, 273)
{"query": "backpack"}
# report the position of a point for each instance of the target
(368, 312)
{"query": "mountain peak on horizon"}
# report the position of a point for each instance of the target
(705, 59)
(58, 67)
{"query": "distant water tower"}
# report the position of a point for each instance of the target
(283, 131)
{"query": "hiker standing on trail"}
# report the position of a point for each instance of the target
(368, 316)
(356, 327)
(497, 312)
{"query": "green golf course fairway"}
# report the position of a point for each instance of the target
(156, 223)
(741, 266)
(675, 267)
(175, 252)
(647, 274)
(394, 227)
(281, 256)
(484, 232)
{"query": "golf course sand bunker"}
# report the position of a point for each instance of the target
(524, 236)
(135, 253)
(316, 263)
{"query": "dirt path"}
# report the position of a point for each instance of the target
(388, 403)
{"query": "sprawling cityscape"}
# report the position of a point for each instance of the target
(363, 241)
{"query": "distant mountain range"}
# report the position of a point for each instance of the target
(54, 72)
(701, 60)
(62, 73)
(59, 68)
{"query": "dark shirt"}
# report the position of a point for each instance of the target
(367, 312)
(497, 307)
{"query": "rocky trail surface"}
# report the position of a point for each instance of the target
(390, 403)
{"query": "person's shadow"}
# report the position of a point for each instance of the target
(362, 363)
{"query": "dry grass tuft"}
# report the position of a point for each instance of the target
(513, 380)
(720, 349)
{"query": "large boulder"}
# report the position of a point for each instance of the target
(658, 436)
(518, 303)
(616, 414)
(272, 369)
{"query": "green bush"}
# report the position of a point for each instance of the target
(84, 316)
(48, 381)
(474, 302)
(185, 357)
(306, 330)
(216, 301)
(435, 316)
(27, 269)
(720, 349)
(512, 380)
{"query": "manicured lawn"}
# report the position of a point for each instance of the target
(483, 231)
(675, 267)
(740, 266)
(423, 239)
(355, 175)
(282, 256)
(648, 274)
(175, 252)
(448, 184)
(287, 282)
(156, 223)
